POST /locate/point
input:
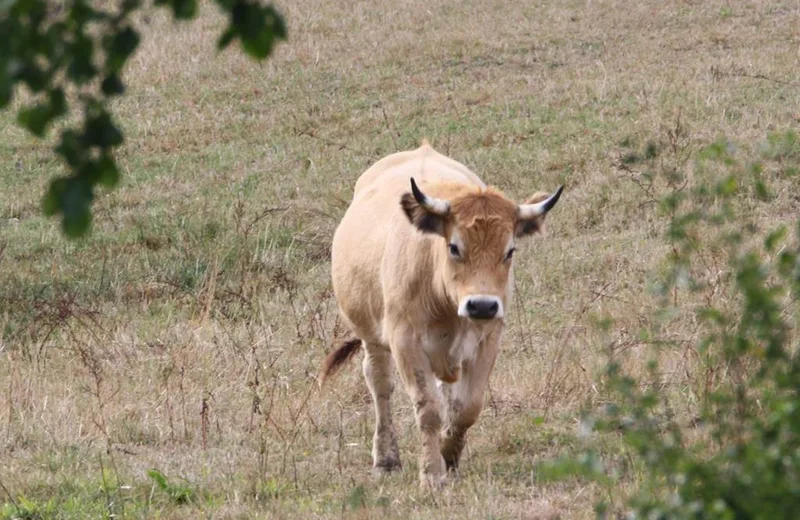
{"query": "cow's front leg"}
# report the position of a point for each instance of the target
(415, 371)
(465, 399)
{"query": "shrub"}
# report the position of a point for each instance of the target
(739, 456)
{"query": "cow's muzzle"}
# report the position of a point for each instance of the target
(481, 307)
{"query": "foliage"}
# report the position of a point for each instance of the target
(179, 494)
(741, 457)
(25, 509)
(74, 54)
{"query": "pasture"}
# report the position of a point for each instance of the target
(166, 366)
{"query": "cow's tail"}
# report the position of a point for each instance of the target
(334, 361)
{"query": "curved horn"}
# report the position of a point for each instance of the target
(531, 211)
(436, 206)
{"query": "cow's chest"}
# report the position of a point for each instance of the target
(449, 346)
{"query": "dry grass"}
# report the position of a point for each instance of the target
(185, 334)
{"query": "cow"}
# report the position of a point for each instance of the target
(422, 273)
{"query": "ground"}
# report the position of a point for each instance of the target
(167, 365)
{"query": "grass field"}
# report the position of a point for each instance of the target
(166, 366)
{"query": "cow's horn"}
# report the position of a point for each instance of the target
(531, 211)
(436, 206)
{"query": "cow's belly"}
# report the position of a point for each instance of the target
(448, 347)
(355, 272)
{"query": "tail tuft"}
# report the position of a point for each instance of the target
(334, 361)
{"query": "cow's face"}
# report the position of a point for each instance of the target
(479, 227)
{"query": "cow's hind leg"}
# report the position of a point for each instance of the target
(465, 400)
(379, 375)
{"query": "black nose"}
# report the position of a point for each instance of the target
(482, 308)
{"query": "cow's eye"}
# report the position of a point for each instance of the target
(454, 251)
(510, 253)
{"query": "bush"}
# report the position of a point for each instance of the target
(739, 456)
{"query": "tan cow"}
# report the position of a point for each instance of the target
(421, 267)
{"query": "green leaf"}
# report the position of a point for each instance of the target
(184, 9)
(120, 48)
(727, 186)
(74, 202)
(787, 262)
(258, 27)
(226, 38)
(181, 9)
(774, 238)
(6, 90)
(33, 76)
(112, 85)
(36, 118)
(81, 12)
(81, 69)
(100, 131)
(58, 102)
(70, 148)
(77, 222)
(762, 193)
(51, 203)
(130, 5)
(72, 197)
(108, 174)
(158, 478)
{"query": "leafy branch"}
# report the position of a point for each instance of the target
(75, 54)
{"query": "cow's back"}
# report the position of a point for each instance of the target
(375, 217)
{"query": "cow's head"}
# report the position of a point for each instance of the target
(480, 228)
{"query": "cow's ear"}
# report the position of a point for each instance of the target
(427, 214)
(530, 216)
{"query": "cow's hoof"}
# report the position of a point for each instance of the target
(453, 473)
(451, 464)
(386, 466)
